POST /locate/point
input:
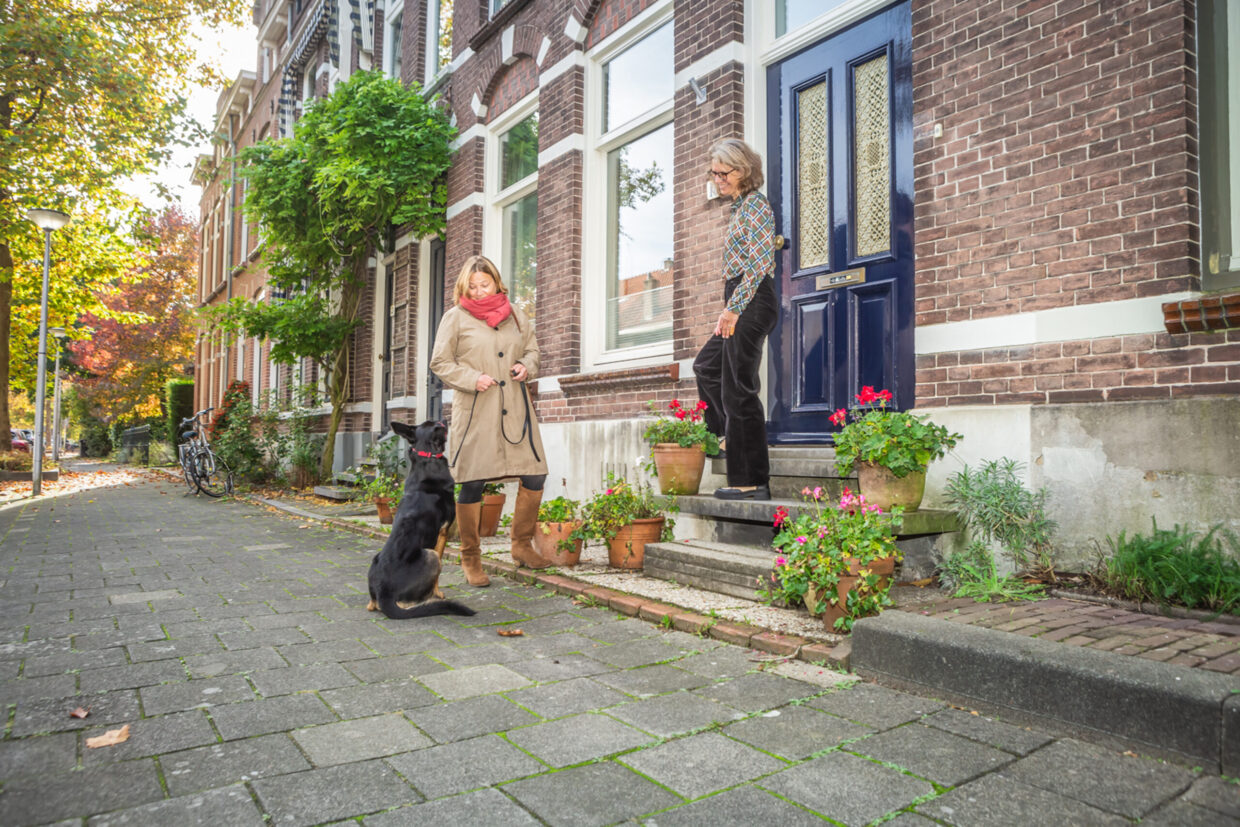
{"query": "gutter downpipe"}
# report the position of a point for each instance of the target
(229, 222)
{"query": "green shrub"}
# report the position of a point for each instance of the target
(997, 507)
(179, 404)
(16, 461)
(1177, 567)
(232, 434)
(161, 454)
(96, 437)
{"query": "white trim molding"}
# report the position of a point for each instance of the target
(569, 143)
(401, 402)
(571, 61)
(474, 199)
(733, 52)
(1129, 317)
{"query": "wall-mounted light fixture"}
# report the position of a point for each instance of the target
(699, 91)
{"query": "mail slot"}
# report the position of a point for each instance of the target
(828, 281)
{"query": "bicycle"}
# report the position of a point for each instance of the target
(203, 470)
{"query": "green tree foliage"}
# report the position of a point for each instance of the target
(369, 156)
(91, 92)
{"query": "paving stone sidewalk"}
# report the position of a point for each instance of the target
(235, 645)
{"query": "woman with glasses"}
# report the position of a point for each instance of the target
(727, 366)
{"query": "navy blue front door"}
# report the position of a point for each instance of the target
(840, 126)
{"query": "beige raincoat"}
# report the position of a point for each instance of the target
(489, 437)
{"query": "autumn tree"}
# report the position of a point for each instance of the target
(91, 92)
(370, 155)
(146, 334)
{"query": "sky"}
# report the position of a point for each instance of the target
(231, 50)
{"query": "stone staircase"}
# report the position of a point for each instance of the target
(726, 544)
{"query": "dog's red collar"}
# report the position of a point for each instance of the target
(429, 454)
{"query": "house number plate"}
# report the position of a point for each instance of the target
(829, 280)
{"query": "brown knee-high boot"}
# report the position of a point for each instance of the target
(468, 516)
(524, 515)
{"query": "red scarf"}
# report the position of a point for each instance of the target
(493, 309)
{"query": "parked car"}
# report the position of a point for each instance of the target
(19, 442)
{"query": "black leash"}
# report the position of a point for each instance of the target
(527, 428)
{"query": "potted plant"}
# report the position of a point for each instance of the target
(679, 444)
(626, 517)
(493, 499)
(556, 535)
(836, 558)
(385, 491)
(891, 449)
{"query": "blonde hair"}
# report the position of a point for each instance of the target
(477, 264)
(737, 154)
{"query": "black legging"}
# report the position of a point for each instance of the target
(471, 492)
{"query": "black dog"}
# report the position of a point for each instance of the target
(406, 569)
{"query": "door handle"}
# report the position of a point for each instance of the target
(780, 241)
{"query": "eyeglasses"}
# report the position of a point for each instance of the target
(720, 176)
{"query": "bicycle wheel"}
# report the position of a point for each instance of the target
(214, 477)
(187, 469)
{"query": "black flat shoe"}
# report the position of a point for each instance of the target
(762, 492)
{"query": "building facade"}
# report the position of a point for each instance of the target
(1022, 218)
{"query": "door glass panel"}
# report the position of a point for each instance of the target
(813, 181)
(792, 14)
(638, 79)
(520, 248)
(872, 157)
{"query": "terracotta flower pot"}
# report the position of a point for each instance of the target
(627, 550)
(835, 611)
(884, 567)
(384, 506)
(885, 489)
(811, 600)
(547, 538)
(492, 508)
(679, 469)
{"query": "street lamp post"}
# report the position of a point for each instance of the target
(47, 221)
(59, 334)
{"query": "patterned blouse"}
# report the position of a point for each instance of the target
(749, 251)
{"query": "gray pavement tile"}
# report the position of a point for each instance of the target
(795, 732)
(595, 794)
(701, 764)
(458, 720)
(151, 736)
(1216, 794)
(332, 651)
(462, 656)
(281, 621)
(359, 739)
(405, 644)
(80, 793)
(559, 667)
(341, 629)
(281, 637)
(242, 720)
(757, 692)
(339, 792)
(673, 714)
(393, 668)
(543, 644)
(909, 820)
(555, 700)
(208, 692)
(63, 662)
(247, 609)
(220, 626)
(846, 788)
(377, 698)
(578, 738)
(26, 690)
(553, 624)
(996, 799)
(131, 676)
(688, 643)
(494, 616)
(272, 682)
(652, 680)
(618, 631)
(482, 808)
(475, 680)
(38, 755)
(741, 805)
(464, 765)
(219, 765)
(230, 663)
(1180, 813)
(464, 635)
(931, 753)
(1007, 737)
(640, 652)
(52, 715)
(1104, 779)
(226, 805)
(875, 706)
(172, 649)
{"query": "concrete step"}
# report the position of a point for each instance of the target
(723, 568)
(1190, 715)
(337, 493)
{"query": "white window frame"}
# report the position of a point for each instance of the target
(432, 70)
(594, 224)
(498, 199)
(391, 49)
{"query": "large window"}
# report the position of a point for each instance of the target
(392, 52)
(518, 205)
(496, 5)
(438, 37)
(636, 143)
(1218, 28)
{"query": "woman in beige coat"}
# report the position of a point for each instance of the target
(485, 351)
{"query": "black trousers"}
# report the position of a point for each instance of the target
(471, 492)
(728, 381)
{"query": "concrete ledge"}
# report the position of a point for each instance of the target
(49, 474)
(1170, 710)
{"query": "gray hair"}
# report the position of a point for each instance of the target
(740, 156)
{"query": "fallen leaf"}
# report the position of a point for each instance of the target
(510, 632)
(80, 712)
(925, 581)
(110, 738)
(973, 712)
